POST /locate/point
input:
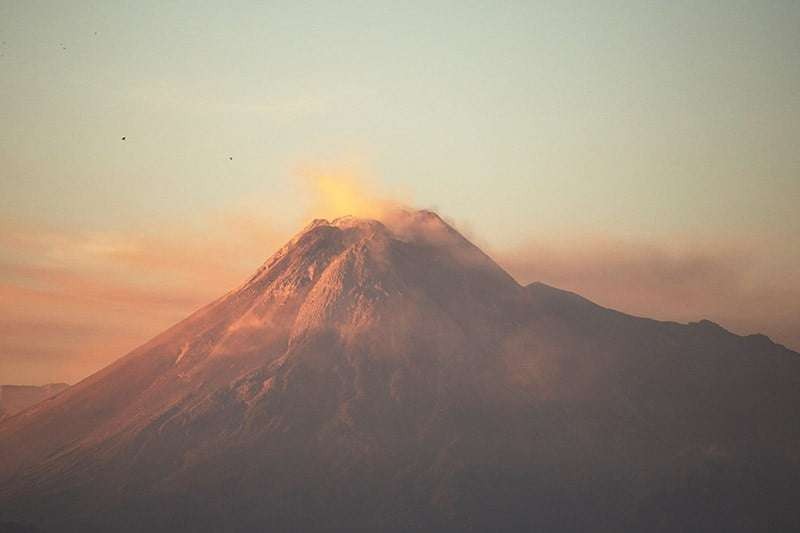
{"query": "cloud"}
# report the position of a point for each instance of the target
(99, 293)
(345, 189)
(748, 287)
(73, 301)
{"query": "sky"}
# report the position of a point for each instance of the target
(643, 154)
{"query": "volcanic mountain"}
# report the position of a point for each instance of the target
(389, 376)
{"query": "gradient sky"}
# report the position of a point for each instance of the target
(644, 154)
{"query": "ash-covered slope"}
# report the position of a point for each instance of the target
(15, 398)
(390, 376)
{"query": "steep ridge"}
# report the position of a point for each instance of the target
(16, 398)
(388, 375)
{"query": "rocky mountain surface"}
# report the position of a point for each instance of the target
(15, 398)
(389, 376)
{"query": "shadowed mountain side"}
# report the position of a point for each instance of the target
(15, 398)
(390, 376)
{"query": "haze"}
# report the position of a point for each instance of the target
(645, 155)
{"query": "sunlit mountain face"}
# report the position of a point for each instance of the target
(387, 375)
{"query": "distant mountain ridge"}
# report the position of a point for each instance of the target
(15, 398)
(390, 376)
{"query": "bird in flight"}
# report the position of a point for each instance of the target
(124, 138)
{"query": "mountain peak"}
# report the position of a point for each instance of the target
(385, 374)
(401, 235)
(402, 223)
(343, 222)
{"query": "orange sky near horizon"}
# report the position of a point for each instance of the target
(71, 302)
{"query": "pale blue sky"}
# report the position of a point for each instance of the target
(516, 117)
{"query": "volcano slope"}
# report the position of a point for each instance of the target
(15, 398)
(389, 376)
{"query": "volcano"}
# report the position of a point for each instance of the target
(389, 376)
